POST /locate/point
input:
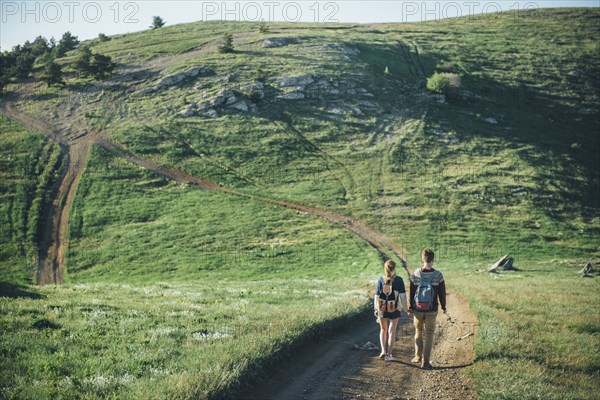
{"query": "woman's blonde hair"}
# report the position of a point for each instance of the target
(389, 271)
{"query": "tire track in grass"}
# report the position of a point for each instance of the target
(325, 157)
(53, 241)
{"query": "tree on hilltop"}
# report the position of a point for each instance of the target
(157, 22)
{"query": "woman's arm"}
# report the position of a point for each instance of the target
(403, 300)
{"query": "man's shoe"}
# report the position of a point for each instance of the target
(426, 365)
(417, 359)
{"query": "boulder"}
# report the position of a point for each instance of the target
(255, 86)
(148, 90)
(223, 96)
(188, 110)
(295, 95)
(174, 79)
(171, 80)
(505, 263)
(254, 91)
(212, 113)
(574, 74)
(193, 72)
(339, 48)
(276, 42)
(588, 271)
(300, 80)
(491, 120)
(231, 100)
(240, 105)
(205, 105)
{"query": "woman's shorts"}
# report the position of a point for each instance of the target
(392, 315)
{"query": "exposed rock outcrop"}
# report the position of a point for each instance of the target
(277, 42)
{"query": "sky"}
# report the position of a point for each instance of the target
(25, 20)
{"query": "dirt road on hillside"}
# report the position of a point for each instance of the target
(54, 236)
(333, 369)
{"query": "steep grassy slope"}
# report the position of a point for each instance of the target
(358, 127)
(30, 165)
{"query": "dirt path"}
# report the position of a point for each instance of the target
(335, 369)
(340, 369)
(53, 242)
(329, 370)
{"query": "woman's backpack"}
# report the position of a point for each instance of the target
(389, 303)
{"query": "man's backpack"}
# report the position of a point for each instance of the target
(424, 300)
(387, 299)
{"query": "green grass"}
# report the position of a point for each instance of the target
(129, 225)
(426, 174)
(164, 340)
(170, 296)
(538, 330)
(30, 165)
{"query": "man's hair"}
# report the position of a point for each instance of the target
(428, 255)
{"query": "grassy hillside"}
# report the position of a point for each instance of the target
(507, 164)
(358, 127)
(30, 166)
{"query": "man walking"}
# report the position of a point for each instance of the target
(427, 287)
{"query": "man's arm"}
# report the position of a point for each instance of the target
(442, 295)
(412, 291)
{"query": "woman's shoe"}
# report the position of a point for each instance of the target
(389, 357)
(417, 359)
(382, 355)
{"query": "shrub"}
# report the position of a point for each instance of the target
(227, 44)
(443, 82)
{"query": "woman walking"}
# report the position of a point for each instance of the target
(389, 290)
